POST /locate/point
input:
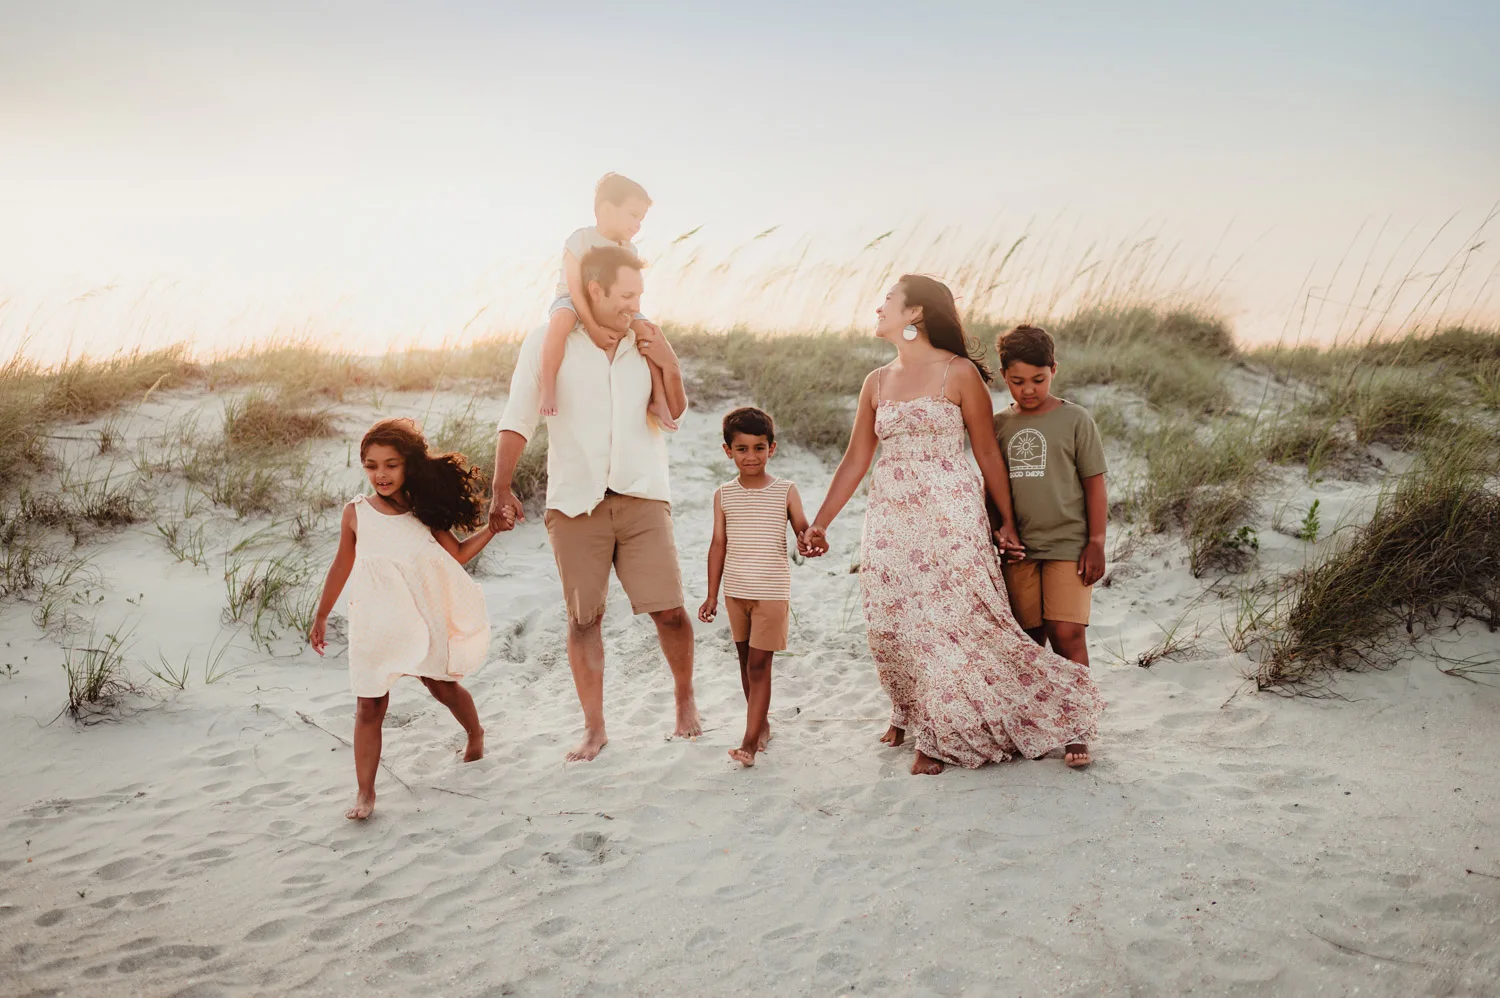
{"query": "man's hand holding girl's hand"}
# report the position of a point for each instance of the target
(505, 511)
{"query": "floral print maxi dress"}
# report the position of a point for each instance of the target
(964, 680)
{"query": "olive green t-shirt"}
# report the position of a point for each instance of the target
(1049, 456)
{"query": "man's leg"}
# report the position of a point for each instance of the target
(584, 546)
(675, 631)
(586, 659)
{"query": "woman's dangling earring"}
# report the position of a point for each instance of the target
(909, 333)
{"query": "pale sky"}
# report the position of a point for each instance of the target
(382, 173)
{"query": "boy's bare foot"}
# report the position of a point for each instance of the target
(663, 415)
(1076, 755)
(364, 806)
(593, 742)
(765, 738)
(474, 751)
(689, 725)
(893, 736)
(745, 757)
(548, 405)
(924, 765)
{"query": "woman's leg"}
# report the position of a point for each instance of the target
(453, 696)
(369, 715)
(553, 347)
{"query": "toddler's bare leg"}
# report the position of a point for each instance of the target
(553, 347)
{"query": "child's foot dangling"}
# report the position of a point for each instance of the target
(548, 405)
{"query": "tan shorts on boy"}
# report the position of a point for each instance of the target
(762, 622)
(1047, 590)
(635, 536)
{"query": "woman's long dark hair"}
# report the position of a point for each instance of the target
(945, 330)
(445, 490)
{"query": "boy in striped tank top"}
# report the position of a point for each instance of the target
(748, 557)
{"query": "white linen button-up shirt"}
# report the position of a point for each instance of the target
(601, 437)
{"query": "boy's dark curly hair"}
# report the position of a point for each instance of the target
(445, 490)
(750, 421)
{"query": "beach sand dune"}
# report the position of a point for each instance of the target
(1224, 842)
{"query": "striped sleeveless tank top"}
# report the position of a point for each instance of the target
(755, 559)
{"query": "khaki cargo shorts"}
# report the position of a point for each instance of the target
(764, 623)
(1047, 590)
(635, 537)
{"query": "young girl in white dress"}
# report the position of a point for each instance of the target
(413, 610)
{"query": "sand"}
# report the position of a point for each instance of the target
(1224, 842)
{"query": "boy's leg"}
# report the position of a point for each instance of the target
(758, 671)
(1023, 584)
(554, 346)
(742, 648)
(658, 406)
(369, 715)
(453, 696)
(1066, 603)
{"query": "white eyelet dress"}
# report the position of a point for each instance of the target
(413, 610)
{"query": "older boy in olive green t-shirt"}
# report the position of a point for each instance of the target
(1056, 463)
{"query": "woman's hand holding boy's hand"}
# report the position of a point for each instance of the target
(1009, 542)
(812, 542)
(318, 636)
(709, 610)
(1091, 562)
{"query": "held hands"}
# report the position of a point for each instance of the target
(1091, 562)
(812, 542)
(1009, 542)
(505, 511)
(652, 344)
(318, 636)
(709, 610)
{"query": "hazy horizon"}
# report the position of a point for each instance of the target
(378, 176)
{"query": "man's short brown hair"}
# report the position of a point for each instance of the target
(603, 263)
(1027, 344)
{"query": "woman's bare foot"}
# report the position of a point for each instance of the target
(474, 751)
(589, 748)
(548, 406)
(924, 765)
(689, 724)
(1076, 755)
(765, 738)
(663, 415)
(745, 757)
(893, 736)
(364, 806)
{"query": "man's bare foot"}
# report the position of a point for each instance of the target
(364, 806)
(745, 757)
(1076, 755)
(548, 406)
(893, 736)
(589, 748)
(689, 724)
(765, 738)
(924, 765)
(474, 751)
(663, 415)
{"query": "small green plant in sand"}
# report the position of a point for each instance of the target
(266, 593)
(96, 674)
(1311, 525)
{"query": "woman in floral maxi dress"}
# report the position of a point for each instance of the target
(965, 682)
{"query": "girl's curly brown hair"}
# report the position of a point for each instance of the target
(445, 490)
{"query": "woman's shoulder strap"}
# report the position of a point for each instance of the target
(943, 388)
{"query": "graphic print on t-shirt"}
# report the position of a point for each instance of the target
(1027, 454)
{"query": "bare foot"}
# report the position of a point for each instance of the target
(689, 724)
(1076, 755)
(924, 765)
(474, 751)
(364, 806)
(663, 415)
(745, 757)
(893, 736)
(765, 738)
(590, 747)
(548, 405)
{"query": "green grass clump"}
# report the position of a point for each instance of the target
(1392, 406)
(1431, 549)
(260, 420)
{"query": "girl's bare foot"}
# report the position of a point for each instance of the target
(1076, 755)
(663, 415)
(364, 806)
(924, 765)
(474, 751)
(765, 738)
(548, 406)
(745, 757)
(588, 749)
(689, 724)
(893, 736)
